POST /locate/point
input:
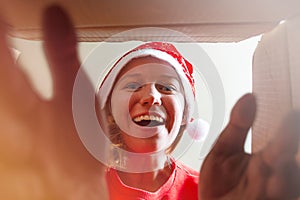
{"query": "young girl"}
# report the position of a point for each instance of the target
(42, 156)
(146, 103)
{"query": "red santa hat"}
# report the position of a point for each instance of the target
(196, 128)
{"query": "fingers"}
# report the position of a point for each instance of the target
(61, 51)
(6, 57)
(7, 68)
(279, 156)
(284, 144)
(231, 140)
(284, 181)
(13, 81)
(227, 155)
(17, 103)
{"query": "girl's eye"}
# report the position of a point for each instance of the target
(166, 88)
(133, 86)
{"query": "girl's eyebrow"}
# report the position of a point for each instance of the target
(170, 77)
(136, 75)
(125, 76)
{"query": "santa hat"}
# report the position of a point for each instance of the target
(196, 128)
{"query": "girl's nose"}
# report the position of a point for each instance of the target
(150, 96)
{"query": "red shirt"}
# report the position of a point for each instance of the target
(181, 185)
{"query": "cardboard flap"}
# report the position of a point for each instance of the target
(203, 21)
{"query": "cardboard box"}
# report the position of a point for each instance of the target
(204, 21)
(276, 80)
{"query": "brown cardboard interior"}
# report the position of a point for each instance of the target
(204, 21)
(274, 67)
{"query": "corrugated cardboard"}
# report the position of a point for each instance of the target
(204, 21)
(276, 79)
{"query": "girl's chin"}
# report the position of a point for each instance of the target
(145, 131)
(148, 145)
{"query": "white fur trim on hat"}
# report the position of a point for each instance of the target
(198, 129)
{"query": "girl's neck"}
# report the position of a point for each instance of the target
(149, 181)
(131, 162)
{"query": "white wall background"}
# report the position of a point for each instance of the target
(232, 61)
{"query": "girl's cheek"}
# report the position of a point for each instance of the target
(132, 99)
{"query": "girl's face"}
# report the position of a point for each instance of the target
(147, 104)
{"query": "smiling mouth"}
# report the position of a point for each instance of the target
(148, 120)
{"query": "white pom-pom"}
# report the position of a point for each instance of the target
(198, 129)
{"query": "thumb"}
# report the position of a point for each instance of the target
(232, 138)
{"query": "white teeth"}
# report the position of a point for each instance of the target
(148, 117)
(159, 119)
